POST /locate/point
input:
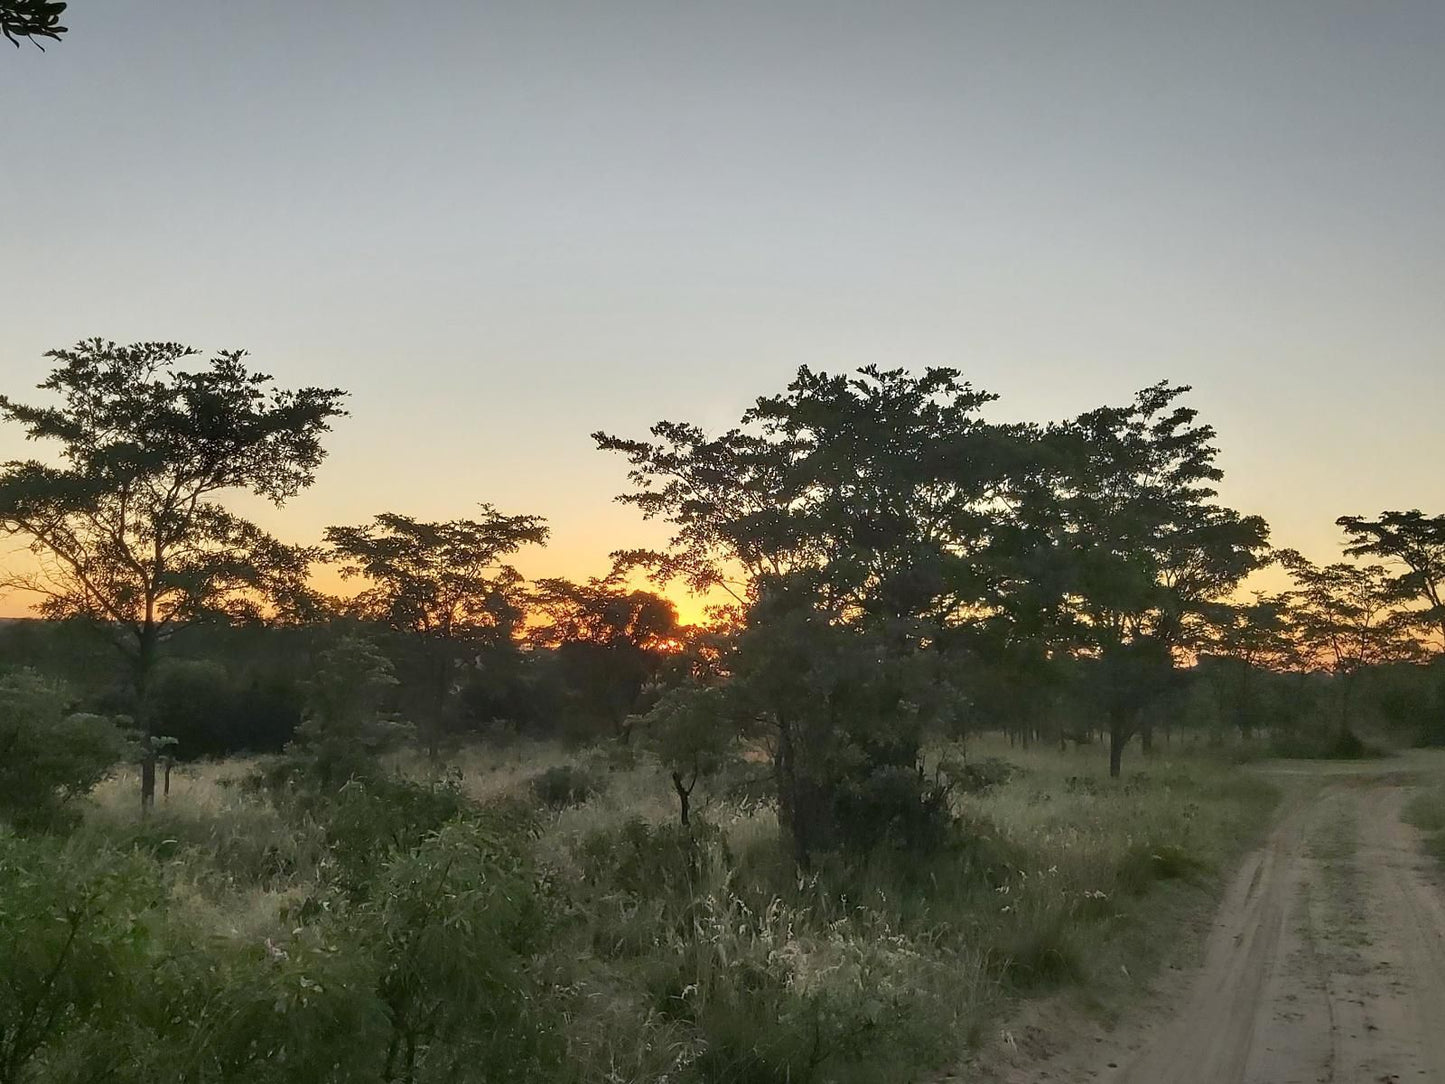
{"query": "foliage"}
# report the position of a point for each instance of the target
(1145, 863)
(49, 756)
(982, 775)
(443, 588)
(1151, 553)
(1415, 542)
(129, 528)
(31, 19)
(345, 729)
(564, 785)
(452, 926)
(608, 645)
(647, 860)
(73, 941)
(691, 732)
(209, 712)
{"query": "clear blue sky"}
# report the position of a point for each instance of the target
(503, 225)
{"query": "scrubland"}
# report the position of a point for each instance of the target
(538, 914)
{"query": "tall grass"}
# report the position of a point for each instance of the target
(702, 955)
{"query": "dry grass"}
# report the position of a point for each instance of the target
(656, 987)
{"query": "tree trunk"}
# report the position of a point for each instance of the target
(804, 806)
(147, 777)
(1146, 737)
(166, 787)
(684, 796)
(144, 663)
(790, 817)
(1117, 740)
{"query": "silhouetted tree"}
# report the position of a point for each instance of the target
(1346, 618)
(31, 19)
(443, 586)
(851, 517)
(130, 529)
(608, 643)
(346, 728)
(1416, 542)
(1240, 642)
(1153, 551)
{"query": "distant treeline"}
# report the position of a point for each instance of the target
(894, 566)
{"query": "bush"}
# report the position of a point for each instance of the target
(1039, 953)
(49, 757)
(643, 860)
(74, 938)
(1144, 864)
(978, 776)
(209, 713)
(367, 822)
(1335, 744)
(894, 808)
(451, 927)
(565, 785)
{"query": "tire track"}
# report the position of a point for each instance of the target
(1325, 963)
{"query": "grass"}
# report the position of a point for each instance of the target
(705, 957)
(1426, 811)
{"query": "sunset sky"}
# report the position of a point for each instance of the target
(504, 225)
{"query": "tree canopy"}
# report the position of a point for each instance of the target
(31, 19)
(1415, 542)
(129, 526)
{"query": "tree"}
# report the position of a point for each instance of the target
(844, 713)
(852, 519)
(130, 529)
(443, 587)
(31, 19)
(1345, 619)
(1238, 643)
(608, 643)
(49, 755)
(345, 728)
(1416, 542)
(689, 730)
(1152, 551)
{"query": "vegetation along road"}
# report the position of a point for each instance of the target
(1326, 959)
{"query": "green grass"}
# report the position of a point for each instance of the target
(705, 956)
(1426, 811)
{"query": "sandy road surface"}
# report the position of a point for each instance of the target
(1326, 960)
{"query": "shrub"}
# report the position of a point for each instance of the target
(366, 822)
(979, 776)
(893, 807)
(1144, 864)
(1039, 952)
(565, 785)
(644, 860)
(74, 936)
(451, 927)
(47, 756)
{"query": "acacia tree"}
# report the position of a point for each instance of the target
(129, 528)
(1152, 550)
(1345, 619)
(443, 586)
(852, 518)
(1241, 641)
(1415, 542)
(607, 642)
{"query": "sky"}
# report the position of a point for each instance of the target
(502, 226)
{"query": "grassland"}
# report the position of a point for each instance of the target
(704, 955)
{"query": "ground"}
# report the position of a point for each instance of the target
(1325, 962)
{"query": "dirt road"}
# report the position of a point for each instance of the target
(1326, 961)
